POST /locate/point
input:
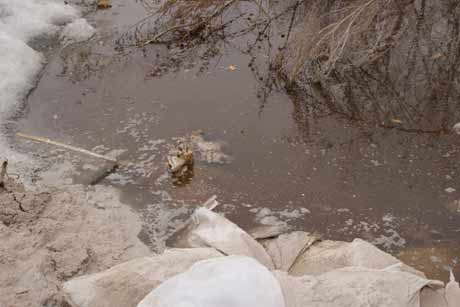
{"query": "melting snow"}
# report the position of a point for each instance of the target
(20, 22)
(78, 31)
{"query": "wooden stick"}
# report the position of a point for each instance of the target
(69, 147)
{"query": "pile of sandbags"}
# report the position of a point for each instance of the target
(221, 265)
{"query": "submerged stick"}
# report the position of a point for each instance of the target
(69, 147)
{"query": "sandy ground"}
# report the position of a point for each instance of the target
(51, 236)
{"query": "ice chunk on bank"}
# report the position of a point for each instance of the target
(234, 281)
(19, 64)
(78, 31)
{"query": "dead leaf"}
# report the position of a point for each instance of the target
(396, 121)
(437, 56)
(103, 4)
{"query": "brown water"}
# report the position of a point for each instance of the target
(384, 185)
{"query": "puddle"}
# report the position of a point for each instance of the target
(325, 174)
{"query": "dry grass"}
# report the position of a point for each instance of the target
(390, 62)
(177, 20)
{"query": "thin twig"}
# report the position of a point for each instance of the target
(69, 147)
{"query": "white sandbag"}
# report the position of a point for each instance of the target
(125, 285)
(285, 249)
(233, 281)
(452, 292)
(208, 229)
(268, 231)
(325, 256)
(440, 296)
(354, 287)
(433, 298)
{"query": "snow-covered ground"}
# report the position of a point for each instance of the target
(20, 22)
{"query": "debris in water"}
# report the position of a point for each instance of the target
(180, 162)
(210, 152)
(103, 4)
(454, 206)
(211, 203)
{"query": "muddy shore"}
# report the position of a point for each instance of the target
(54, 234)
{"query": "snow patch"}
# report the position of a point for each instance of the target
(24, 20)
(78, 31)
(20, 22)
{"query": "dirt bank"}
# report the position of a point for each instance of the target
(51, 236)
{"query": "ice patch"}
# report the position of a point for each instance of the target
(163, 218)
(268, 217)
(390, 240)
(78, 31)
(120, 179)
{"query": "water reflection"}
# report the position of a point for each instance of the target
(379, 63)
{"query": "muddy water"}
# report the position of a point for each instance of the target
(326, 174)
